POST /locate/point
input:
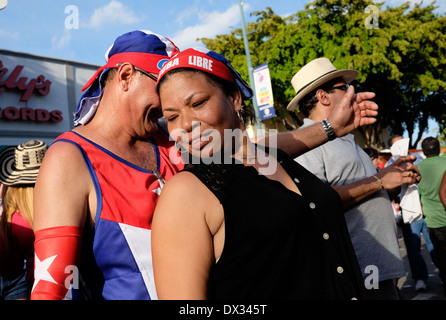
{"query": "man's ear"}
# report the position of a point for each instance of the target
(323, 97)
(124, 74)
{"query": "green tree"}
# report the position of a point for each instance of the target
(403, 60)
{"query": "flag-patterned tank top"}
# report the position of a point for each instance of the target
(126, 198)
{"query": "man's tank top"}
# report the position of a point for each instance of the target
(119, 247)
(278, 244)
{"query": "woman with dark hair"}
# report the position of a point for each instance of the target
(242, 222)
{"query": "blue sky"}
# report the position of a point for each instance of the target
(39, 26)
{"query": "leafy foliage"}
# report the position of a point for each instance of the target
(403, 61)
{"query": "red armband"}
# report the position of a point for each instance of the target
(57, 256)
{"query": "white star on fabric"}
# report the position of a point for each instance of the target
(157, 191)
(41, 270)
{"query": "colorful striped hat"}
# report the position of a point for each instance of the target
(210, 62)
(142, 48)
(20, 165)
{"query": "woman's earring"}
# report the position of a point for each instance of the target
(240, 115)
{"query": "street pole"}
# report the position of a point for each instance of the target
(250, 69)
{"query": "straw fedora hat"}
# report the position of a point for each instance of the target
(314, 74)
(20, 165)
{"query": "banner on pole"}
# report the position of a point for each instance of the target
(264, 91)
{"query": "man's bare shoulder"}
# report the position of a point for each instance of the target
(63, 164)
(63, 154)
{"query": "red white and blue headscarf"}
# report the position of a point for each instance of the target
(210, 62)
(143, 49)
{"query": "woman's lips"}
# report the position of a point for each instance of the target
(199, 142)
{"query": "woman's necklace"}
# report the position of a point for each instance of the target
(252, 156)
(160, 178)
(246, 157)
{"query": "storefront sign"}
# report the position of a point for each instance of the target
(38, 96)
(28, 114)
(39, 85)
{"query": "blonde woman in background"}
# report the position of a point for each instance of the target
(18, 172)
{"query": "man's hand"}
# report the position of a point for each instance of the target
(353, 111)
(401, 171)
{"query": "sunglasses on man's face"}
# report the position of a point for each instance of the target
(151, 76)
(343, 87)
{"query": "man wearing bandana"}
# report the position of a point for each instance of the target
(102, 179)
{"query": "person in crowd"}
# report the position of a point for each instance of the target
(18, 172)
(393, 195)
(1, 209)
(99, 183)
(412, 237)
(384, 156)
(1, 198)
(264, 227)
(390, 143)
(432, 170)
(341, 163)
(442, 191)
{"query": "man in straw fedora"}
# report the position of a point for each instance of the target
(99, 184)
(349, 170)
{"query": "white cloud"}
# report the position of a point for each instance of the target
(210, 24)
(185, 14)
(9, 35)
(112, 13)
(62, 41)
(286, 15)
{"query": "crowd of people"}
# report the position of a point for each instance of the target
(158, 192)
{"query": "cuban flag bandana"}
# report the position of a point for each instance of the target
(142, 48)
(207, 61)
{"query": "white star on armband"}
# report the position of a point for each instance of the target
(41, 270)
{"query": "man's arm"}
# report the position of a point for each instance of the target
(400, 172)
(353, 111)
(62, 188)
(296, 142)
(442, 191)
(60, 210)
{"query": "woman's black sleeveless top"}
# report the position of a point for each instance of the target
(278, 244)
